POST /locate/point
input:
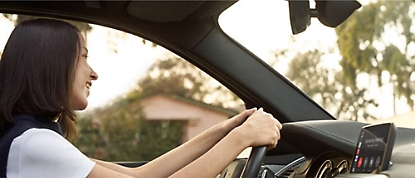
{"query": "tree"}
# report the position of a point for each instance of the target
(365, 50)
(176, 76)
(306, 72)
(121, 133)
(328, 87)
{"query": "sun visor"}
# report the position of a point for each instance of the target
(162, 11)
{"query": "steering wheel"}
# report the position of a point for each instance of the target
(254, 162)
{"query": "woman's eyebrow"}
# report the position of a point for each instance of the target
(86, 49)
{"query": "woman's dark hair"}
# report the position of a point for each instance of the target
(37, 71)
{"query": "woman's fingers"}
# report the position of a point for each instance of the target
(274, 141)
(241, 117)
(236, 121)
(244, 115)
(265, 128)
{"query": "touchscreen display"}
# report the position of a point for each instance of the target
(373, 149)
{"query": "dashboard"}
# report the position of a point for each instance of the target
(326, 150)
(329, 146)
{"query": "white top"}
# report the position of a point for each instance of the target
(45, 153)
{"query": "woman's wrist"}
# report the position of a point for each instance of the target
(241, 137)
(233, 123)
(222, 128)
(238, 120)
(227, 126)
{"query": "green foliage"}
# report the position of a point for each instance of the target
(90, 139)
(175, 76)
(364, 50)
(120, 128)
(157, 137)
(123, 134)
(305, 71)
(328, 87)
(361, 43)
(132, 137)
(355, 38)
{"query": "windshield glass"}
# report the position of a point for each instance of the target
(361, 70)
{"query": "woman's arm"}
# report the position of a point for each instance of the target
(260, 129)
(179, 157)
(223, 153)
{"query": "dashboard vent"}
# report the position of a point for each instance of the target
(286, 174)
(290, 168)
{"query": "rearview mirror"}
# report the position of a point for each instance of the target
(330, 13)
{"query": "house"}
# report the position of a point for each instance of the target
(198, 116)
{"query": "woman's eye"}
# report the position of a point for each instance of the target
(85, 56)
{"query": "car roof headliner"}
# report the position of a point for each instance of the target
(152, 17)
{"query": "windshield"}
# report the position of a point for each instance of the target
(361, 70)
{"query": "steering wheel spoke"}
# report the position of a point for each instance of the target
(253, 164)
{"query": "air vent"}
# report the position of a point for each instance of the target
(286, 171)
(286, 174)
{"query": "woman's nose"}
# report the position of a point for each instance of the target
(94, 75)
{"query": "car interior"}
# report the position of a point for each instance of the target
(313, 142)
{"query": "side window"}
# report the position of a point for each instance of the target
(163, 100)
(146, 100)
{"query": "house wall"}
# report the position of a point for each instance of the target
(166, 108)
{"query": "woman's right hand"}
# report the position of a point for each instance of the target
(260, 129)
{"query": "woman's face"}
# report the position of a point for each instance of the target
(82, 80)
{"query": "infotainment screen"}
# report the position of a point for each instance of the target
(374, 148)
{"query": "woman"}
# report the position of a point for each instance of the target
(44, 77)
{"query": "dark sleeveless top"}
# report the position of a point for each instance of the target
(21, 124)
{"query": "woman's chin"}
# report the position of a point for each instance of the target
(80, 106)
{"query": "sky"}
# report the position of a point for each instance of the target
(261, 27)
(118, 71)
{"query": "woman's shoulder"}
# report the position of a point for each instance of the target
(38, 142)
(33, 132)
(34, 135)
(44, 149)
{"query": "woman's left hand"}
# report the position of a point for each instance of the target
(237, 120)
